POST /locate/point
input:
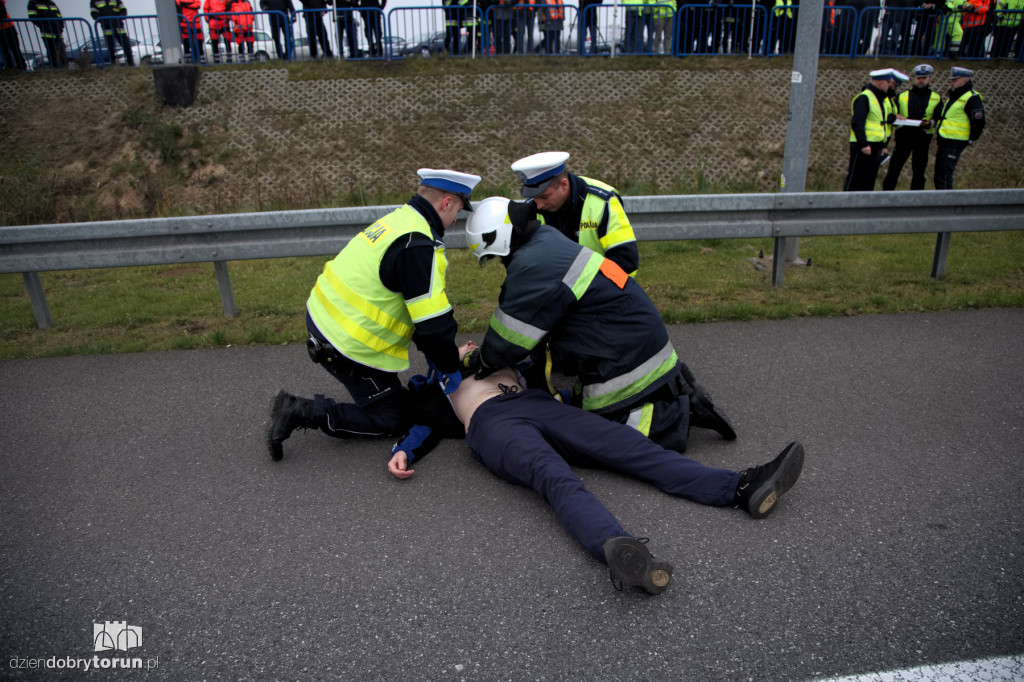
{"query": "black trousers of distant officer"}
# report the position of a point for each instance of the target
(347, 22)
(317, 34)
(863, 169)
(528, 439)
(279, 30)
(946, 157)
(912, 143)
(379, 408)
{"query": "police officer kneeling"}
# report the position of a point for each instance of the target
(385, 289)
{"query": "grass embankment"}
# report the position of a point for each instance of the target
(138, 159)
(178, 307)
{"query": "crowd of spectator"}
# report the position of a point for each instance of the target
(974, 29)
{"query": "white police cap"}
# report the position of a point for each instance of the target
(923, 70)
(460, 184)
(880, 74)
(538, 170)
(959, 72)
(899, 76)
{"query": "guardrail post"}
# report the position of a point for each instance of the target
(227, 296)
(40, 307)
(941, 251)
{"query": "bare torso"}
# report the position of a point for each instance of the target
(472, 392)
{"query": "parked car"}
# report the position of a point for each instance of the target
(603, 45)
(302, 46)
(427, 44)
(92, 50)
(263, 49)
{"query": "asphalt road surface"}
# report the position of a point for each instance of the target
(136, 489)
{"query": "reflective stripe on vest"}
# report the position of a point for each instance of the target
(361, 318)
(593, 214)
(620, 388)
(876, 129)
(954, 124)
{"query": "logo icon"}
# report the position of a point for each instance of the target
(116, 635)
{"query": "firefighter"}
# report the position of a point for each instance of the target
(961, 122)
(598, 322)
(385, 289)
(453, 10)
(918, 103)
(106, 13)
(48, 20)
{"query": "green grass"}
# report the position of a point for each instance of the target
(178, 307)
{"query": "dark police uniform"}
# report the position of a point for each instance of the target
(961, 123)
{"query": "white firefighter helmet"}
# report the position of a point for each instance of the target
(489, 229)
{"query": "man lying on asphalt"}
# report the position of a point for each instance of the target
(528, 438)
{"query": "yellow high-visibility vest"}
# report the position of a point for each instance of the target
(954, 124)
(363, 319)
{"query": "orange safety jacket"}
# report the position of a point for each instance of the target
(243, 23)
(219, 26)
(5, 18)
(188, 9)
(977, 17)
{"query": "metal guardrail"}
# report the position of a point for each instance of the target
(31, 249)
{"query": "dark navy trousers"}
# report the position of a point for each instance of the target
(529, 439)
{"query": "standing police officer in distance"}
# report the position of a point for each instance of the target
(585, 210)
(961, 122)
(918, 103)
(871, 118)
(385, 289)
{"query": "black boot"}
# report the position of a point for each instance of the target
(631, 564)
(287, 413)
(704, 414)
(760, 487)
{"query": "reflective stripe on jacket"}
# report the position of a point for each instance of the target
(47, 18)
(977, 17)
(363, 319)
(598, 321)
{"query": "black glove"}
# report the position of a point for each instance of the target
(470, 363)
